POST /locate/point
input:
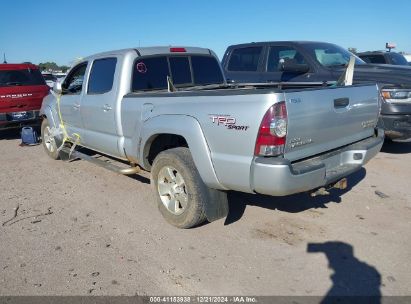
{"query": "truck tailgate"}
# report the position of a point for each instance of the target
(325, 119)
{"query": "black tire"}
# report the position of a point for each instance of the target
(196, 192)
(49, 142)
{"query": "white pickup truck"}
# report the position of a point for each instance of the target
(169, 110)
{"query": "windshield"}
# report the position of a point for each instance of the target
(26, 77)
(397, 59)
(331, 55)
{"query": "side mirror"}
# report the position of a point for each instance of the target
(57, 87)
(290, 66)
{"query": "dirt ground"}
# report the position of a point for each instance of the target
(78, 229)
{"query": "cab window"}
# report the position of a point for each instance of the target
(373, 59)
(74, 81)
(245, 59)
(206, 70)
(151, 73)
(397, 59)
(180, 70)
(279, 54)
(102, 76)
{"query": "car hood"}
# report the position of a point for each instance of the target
(382, 74)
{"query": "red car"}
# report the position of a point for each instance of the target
(22, 89)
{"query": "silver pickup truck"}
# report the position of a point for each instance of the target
(169, 110)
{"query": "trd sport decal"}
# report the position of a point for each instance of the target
(227, 121)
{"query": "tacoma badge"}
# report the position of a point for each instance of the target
(297, 142)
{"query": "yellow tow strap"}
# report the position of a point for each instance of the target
(66, 136)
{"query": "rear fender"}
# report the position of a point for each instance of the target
(187, 127)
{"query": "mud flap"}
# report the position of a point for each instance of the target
(217, 205)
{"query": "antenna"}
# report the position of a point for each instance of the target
(4, 58)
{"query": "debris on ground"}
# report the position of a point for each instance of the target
(35, 217)
(381, 194)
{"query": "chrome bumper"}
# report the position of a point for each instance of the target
(280, 177)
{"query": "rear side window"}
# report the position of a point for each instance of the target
(373, 59)
(245, 59)
(102, 76)
(151, 73)
(26, 77)
(282, 53)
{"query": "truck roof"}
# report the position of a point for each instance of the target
(17, 66)
(155, 50)
(373, 52)
(278, 42)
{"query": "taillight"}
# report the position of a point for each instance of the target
(273, 131)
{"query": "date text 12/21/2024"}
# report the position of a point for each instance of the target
(203, 299)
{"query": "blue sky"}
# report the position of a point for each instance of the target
(61, 31)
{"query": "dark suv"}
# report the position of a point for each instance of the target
(381, 57)
(22, 89)
(306, 61)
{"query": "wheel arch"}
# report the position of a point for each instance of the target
(48, 109)
(170, 131)
(47, 112)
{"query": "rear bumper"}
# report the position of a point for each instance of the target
(279, 177)
(9, 122)
(397, 127)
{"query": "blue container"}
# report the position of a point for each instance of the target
(29, 136)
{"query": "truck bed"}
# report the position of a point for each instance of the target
(315, 124)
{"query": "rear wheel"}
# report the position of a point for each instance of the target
(50, 144)
(181, 194)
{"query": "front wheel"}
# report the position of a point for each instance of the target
(50, 144)
(182, 196)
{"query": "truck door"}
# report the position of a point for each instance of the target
(70, 100)
(98, 108)
(278, 54)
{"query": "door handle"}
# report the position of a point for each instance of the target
(107, 107)
(341, 102)
(76, 106)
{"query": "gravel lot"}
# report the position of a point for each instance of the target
(78, 229)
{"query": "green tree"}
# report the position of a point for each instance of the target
(48, 66)
(64, 68)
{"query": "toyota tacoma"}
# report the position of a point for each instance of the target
(170, 111)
